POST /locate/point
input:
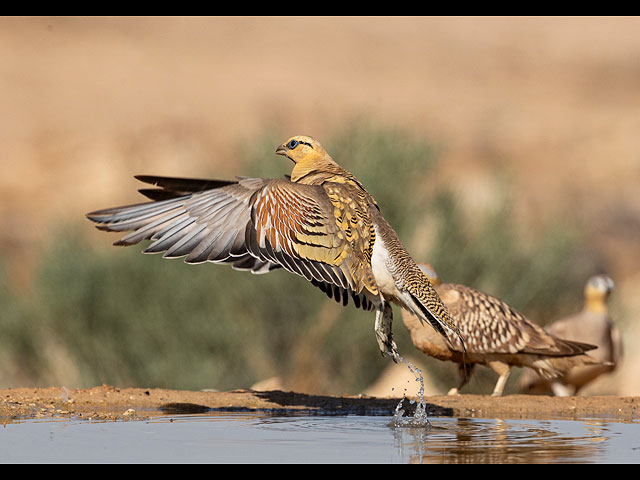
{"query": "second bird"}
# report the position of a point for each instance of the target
(495, 335)
(319, 223)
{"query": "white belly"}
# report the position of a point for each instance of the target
(380, 265)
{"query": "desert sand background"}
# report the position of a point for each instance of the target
(88, 102)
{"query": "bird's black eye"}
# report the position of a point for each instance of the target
(292, 144)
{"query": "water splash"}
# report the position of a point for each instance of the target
(419, 418)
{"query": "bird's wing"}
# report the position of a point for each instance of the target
(489, 325)
(253, 224)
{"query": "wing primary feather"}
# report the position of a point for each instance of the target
(184, 185)
(336, 293)
(148, 231)
(166, 240)
(126, 218)
(187, 242)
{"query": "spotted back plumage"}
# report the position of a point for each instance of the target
(490, 325)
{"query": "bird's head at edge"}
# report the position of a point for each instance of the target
(597, 292)
(430, 272)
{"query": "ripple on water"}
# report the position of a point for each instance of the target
(257, 437)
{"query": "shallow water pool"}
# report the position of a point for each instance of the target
(260, 438)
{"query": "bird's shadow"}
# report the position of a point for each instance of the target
(302, 403)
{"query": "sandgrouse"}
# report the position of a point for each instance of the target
(494, 335)
(593, 324)
(319, 223)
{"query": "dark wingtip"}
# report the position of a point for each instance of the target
(153, 180)
(584, 347)
(183, 185)
(157, 194)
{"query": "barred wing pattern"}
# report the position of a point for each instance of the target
(490, 325)
(253, 224)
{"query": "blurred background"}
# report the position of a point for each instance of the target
(505, 152)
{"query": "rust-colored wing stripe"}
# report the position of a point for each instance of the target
(294, 225)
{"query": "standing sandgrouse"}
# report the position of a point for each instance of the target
(494, 335)
(593, 324)
(319, 223)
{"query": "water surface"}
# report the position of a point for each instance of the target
(260, 438)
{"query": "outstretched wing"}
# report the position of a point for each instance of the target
(253, 224)
(489, 325)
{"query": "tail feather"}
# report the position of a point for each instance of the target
(429, 308)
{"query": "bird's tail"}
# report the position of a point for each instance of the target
(428, 306)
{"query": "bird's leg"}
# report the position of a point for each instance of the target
(561, 390)
(503, 370)
(465, 370)
(384, 319)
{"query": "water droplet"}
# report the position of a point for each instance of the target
(420, 415)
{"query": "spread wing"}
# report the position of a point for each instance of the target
(252, 224)
(489, 325)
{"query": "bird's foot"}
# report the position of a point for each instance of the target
(453, 391)
(387, 346)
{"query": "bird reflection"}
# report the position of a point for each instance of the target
(469, 440)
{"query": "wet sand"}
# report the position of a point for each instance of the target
(110, 403)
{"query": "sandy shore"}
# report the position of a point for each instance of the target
(111, 403)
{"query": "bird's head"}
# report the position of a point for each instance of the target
(599, 287)
(301, 149)
(430, 272)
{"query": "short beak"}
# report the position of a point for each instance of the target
(281, 150)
